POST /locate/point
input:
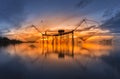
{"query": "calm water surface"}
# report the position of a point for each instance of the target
(66, 61)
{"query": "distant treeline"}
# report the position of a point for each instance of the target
(4, 41)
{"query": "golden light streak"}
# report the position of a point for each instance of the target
(32, 51)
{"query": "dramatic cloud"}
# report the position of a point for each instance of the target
(15, 12)
(12, 11)
(113, 23)
(108, 12)
(83, 3)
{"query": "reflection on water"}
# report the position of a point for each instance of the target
(60, 61)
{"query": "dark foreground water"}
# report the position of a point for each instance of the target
(81, 61)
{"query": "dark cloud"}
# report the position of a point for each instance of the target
(83, 3)
(16, 12)
(12, 11)
(108, 12)
(113, 23)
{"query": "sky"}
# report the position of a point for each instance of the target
(15, 13)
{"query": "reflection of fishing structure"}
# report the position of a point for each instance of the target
(69, 50)
(40, 53)
(61, 50)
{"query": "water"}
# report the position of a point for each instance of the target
(66, 61)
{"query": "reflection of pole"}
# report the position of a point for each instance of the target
(72, 50)
(60, 40)
(43, 39)
(47, 40)
(67, 43)
(72, 38)
(47, 47)
(72, 44)
(56, 45)
(53, 40)
(68, 38)
(53, 43)
(42, 47)
(56, 40)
